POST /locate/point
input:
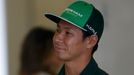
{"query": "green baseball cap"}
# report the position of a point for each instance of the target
(82, 15)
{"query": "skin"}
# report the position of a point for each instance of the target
(71, 48)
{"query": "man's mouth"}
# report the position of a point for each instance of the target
(58, 48)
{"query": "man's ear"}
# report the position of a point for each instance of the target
(91, 41)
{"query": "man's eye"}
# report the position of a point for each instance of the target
(68, 33)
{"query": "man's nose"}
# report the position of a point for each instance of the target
(59, 37)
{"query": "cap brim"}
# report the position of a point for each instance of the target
(53, 17)
(56, 19)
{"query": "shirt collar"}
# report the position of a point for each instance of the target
(90, 69)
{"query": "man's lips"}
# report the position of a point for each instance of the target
(58, 48)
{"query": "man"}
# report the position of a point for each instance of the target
(79, 29)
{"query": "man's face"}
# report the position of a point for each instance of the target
(68, 42)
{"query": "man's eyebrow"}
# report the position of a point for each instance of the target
(67, 28)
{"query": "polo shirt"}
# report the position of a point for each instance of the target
(91, 69)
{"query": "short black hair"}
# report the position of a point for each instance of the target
(85, 35)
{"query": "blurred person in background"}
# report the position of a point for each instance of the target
(37, 56)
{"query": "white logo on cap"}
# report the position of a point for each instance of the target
(91, 29)
(75, 12)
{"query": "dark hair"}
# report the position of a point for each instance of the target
(37, 45)
(85, 35)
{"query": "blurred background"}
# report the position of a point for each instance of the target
(116, 48)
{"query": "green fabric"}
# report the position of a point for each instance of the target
(91, 69)
(78, 13)
(83, 15)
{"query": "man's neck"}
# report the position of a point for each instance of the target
(75, 67)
